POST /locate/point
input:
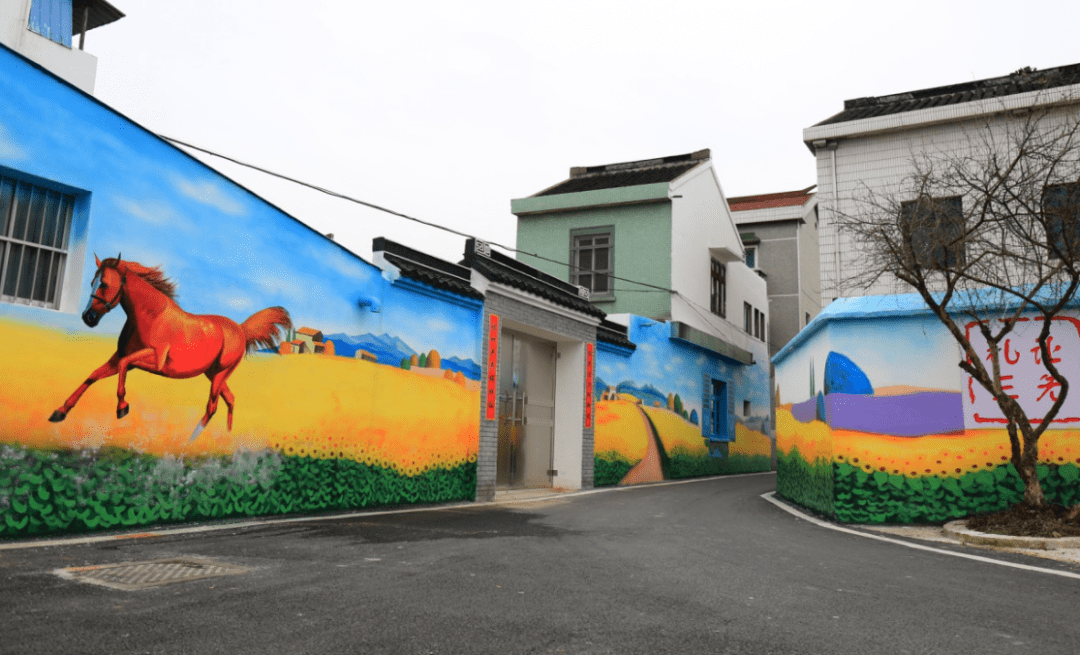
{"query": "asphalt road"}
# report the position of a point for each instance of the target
(703, 567)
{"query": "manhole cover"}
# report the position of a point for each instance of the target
(140, 575)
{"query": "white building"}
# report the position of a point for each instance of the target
(779, 235)
(52, 33)
(871, 146)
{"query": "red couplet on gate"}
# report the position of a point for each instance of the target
(590, 362)
(492, 397)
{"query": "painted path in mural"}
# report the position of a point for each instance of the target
(649, 468)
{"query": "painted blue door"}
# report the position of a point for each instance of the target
(719, 411)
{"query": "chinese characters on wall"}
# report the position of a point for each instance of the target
(1023, 373)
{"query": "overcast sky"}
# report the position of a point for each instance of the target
(448, 110)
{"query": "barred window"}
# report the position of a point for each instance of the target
(35, 224)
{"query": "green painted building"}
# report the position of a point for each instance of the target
(652, 237)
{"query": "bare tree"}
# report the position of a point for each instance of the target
(988, 234)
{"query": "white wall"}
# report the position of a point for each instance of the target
(876, 155)
(700, 219)
(73, 65)
(570, 413)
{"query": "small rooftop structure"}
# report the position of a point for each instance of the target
(772, 200)
(631, 173)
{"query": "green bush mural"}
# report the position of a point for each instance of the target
(879, 497)
(809, 485)
(45, 491)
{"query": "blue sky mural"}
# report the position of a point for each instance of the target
(675, 367)
(152, 203)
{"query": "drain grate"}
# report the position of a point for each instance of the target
(140, 575)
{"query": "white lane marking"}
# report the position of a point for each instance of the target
(825, 524)
(79, 541)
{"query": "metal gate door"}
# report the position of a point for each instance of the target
(526, 411)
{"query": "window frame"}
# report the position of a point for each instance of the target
(928, 254)
(752, 252)
(52, 19)
(59, 228)
(718, 287)
(1067, 213)
(576, 272)
(748, 325)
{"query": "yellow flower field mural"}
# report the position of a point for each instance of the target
(949, 475)
(320, 407)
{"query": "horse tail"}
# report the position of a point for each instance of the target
(261, 330)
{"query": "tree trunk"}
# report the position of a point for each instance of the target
(1029, 472)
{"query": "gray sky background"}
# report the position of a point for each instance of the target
(447, 110)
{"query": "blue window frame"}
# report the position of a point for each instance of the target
(52, 20)
(719, 419)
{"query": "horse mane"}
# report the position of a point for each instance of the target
(155, 277)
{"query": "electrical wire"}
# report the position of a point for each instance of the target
(370, 205)
(725, 328)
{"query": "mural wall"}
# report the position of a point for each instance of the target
(654, 418)
(876, 422)
(242, 364)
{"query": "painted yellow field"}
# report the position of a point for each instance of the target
(946, 455)
(304, 404)
(750, 442)
(676, 433)
(814, 440)
(619, 428)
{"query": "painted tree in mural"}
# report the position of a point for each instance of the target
(988, 234)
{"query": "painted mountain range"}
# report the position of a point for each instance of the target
(391, 350)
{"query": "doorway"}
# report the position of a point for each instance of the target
(526, 411)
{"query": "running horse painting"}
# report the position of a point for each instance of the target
(163, 339)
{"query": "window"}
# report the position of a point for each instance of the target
(746, 408)
(592, 260)
(34, 227)
(759, 324)
(807, 319)
(934, 228)
(52, 20)
(718, 298)
(751, 256)
(748, 324)
(1061, 213)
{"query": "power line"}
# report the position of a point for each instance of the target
(370, 205)
(653, 288)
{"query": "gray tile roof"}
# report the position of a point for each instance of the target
(614, 334)
(1021, 81)
(506, 270)
(632, 173)
(424, 268)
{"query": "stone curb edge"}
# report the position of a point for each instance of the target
(959, 530)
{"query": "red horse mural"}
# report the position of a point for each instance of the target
(163, 339)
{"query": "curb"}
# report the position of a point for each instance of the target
(959, 530)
